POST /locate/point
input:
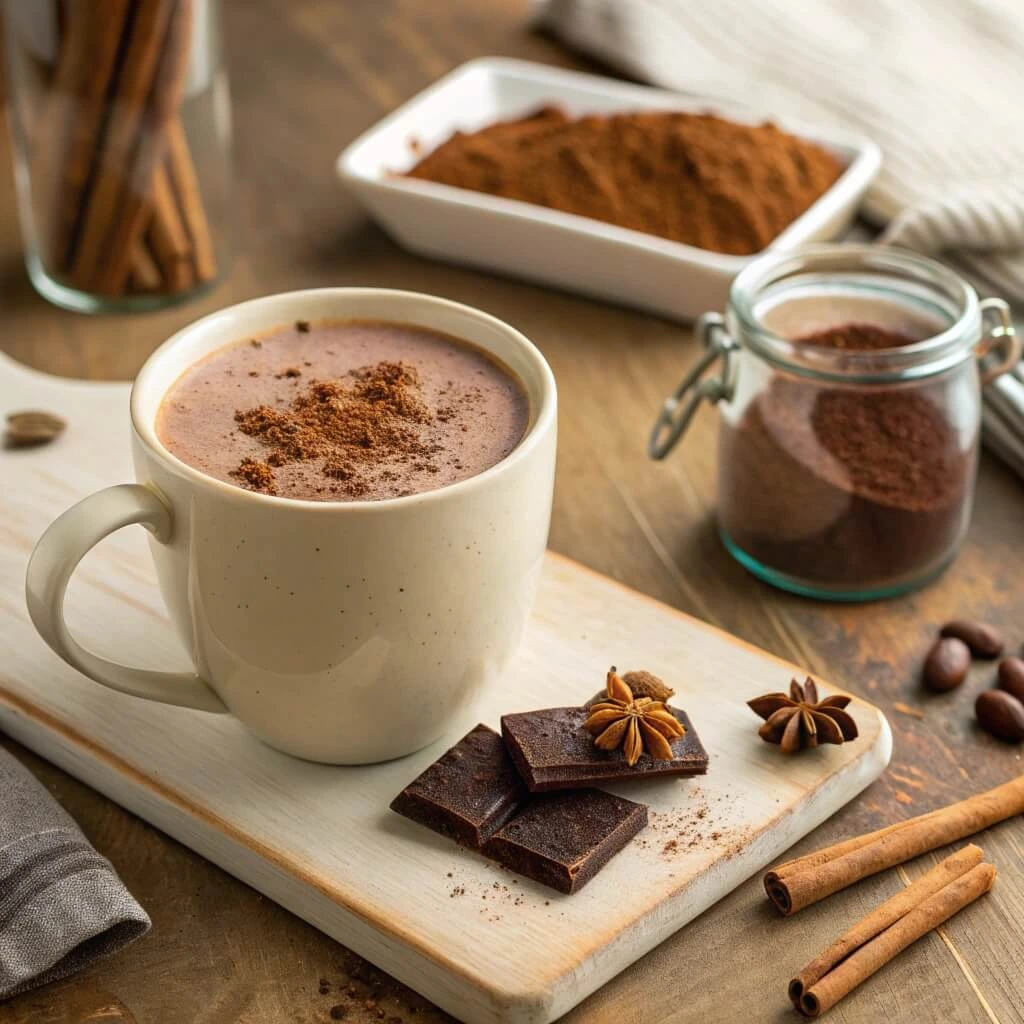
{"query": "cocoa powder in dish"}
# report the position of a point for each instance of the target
(693, 178)
(844, 485)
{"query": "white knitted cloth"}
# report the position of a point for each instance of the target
(938, 84)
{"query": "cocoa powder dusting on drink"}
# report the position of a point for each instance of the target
(354, 427)
(844, 485)
(692, 178)
(344, 410)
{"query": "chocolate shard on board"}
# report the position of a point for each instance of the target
(468, 793)
(564, 839)
(552, 750)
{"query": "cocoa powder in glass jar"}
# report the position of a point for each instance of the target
(848, 380)
(844, 485)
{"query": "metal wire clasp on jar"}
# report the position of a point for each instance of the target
(849, 382)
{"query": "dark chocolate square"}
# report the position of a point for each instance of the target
(552, 750)
(468, 793)
(564, 839)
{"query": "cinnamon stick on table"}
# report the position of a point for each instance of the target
(799, 883)
(884, 916)
(889, 929)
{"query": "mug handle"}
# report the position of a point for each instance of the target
(55, 558)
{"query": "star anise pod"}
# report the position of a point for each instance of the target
(637, 724)
(801, 719)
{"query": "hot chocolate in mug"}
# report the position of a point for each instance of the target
(344, 632)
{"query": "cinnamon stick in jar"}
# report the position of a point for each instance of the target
(164, 94)
(72, 125)
(146, 276)
(167, 233)
(115, 174)
(185, 183)
(799, 883)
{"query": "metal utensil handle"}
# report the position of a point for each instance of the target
(1002, 335)
(676, 414)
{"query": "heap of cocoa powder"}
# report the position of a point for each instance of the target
(693, 178)
(352, 427)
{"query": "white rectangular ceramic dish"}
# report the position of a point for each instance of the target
(547, 246)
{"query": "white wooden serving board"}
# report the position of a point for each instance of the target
(482, 943)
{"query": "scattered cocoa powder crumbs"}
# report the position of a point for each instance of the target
(365, 995)
(302, 326)
(255, 343)
(254, 373)
(289, 371)
(688, 829)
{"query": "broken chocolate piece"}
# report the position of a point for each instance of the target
(468, 793)
(552, 750)
(564, 839)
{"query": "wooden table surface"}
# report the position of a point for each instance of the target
(307, 78)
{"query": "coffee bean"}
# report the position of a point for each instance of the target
(946, 666)
(32, 427)
(1011, 676)
(984, 641)
(1001, 715)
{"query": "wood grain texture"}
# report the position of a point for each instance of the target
(306, 79)
(320, 840)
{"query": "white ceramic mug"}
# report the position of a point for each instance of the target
(345, 632)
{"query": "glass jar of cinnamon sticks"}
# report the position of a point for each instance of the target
(120, 122)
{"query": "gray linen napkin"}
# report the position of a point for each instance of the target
(62, 905)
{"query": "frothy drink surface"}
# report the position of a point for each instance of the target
(344, 411)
